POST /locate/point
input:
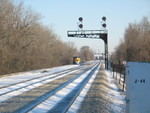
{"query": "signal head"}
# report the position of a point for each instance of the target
(80, 26)
(104, 18)
(80, 19)
(104, 25)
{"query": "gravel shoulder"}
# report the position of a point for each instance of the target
(102, 97)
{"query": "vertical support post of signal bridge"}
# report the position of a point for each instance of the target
(106, 56)
(105, 39)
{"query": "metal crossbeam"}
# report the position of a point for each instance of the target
(86, 33)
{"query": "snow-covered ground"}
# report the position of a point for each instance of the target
(115, 95)
(23, 76)
(118, 99)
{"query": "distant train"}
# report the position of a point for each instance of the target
(76, 60)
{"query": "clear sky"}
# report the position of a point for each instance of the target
(62, 15)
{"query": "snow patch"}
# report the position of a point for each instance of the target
(26, 87)
(114, 95)
(23, 76)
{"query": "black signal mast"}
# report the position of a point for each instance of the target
(93, 34)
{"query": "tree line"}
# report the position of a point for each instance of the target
(26, 44)
(135, 46)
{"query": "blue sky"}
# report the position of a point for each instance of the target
(62, 15)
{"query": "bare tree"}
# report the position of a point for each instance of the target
(26, 44)
(135, 46)
(86, 53)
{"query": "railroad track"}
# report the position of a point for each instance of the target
(18, 88)
(58, 89)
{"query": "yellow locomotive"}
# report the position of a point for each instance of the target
(76, 60)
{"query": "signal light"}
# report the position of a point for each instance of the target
(104, 22)
(104, 18)
(80, 19)
(104, 25)
(80, 26)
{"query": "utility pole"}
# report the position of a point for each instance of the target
(94, 34)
